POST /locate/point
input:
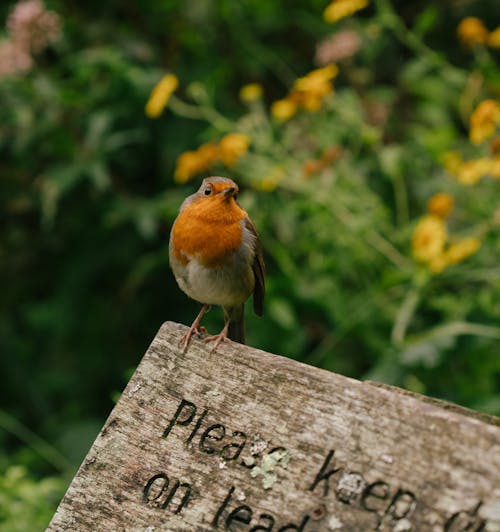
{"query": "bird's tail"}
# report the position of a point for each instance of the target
(236, 317)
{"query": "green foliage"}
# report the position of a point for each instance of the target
(87, 197)
(27, 503)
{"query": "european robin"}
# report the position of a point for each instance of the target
(216, 256)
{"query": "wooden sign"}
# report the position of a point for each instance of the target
(251, 441)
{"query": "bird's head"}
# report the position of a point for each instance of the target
(217, 189)
(215, 199)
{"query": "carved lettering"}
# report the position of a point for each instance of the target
(222, 507)
(186, 416)
(241, 514)
(324, 474)
(183, 416)
(379, 491)
(196, 427)
(350, 487)
(156, 491)
(183, 500)
(402, 505)
(292, 526)
(214, 433)
(152, 487)
(244, 515)
(264, 528)
(232, 450)
(466, 521)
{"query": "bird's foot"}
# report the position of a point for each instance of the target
(195, 328)
(218, 339)
(186, 337)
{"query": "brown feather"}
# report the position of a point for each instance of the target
(236, 329)
(259, 271)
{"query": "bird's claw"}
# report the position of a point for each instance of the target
(186, 337)
(195, 328)
(218, 339)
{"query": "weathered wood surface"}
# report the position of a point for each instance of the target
(246, 440)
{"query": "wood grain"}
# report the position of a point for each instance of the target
(247, 440)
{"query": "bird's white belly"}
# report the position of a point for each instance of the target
(227, 285)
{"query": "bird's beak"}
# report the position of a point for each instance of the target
(230, 192)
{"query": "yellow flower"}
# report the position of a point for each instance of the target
(307, 93)
(309, 90)
(452, 160)
(495, 167)
(461, 250)
(454, 254)
(440, 204)
(187, 166)
(160, 95)
(232, 147)
(283, 109)
(229, 150)
(438, 264)
(471, 31)
(192, 163)
(208, 154)
(317, 81)
(495, 145)
(483, 121)
(470, 172)
(342, 8)
(429, 238)
(250, 92)
(494, 38)
(311, 102)
(271, 180)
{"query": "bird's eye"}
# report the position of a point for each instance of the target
(207, 191)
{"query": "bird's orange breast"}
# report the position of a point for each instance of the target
(208, 229)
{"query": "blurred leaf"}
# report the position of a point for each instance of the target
(427, 351)
(281, 311)
(426, 20)
(27, 503)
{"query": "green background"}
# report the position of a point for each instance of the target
(87, 199)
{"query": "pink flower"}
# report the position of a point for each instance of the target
(32, 27)
(339, 46)
(13, 59)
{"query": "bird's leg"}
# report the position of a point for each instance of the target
(218, 338)
(195, 328)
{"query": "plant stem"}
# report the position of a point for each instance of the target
(43, 448)
(194, 112)
(405, 314)
(458, 328)
(390, 20)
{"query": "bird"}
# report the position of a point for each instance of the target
(217, 259)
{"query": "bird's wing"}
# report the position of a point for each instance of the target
(259, 270)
